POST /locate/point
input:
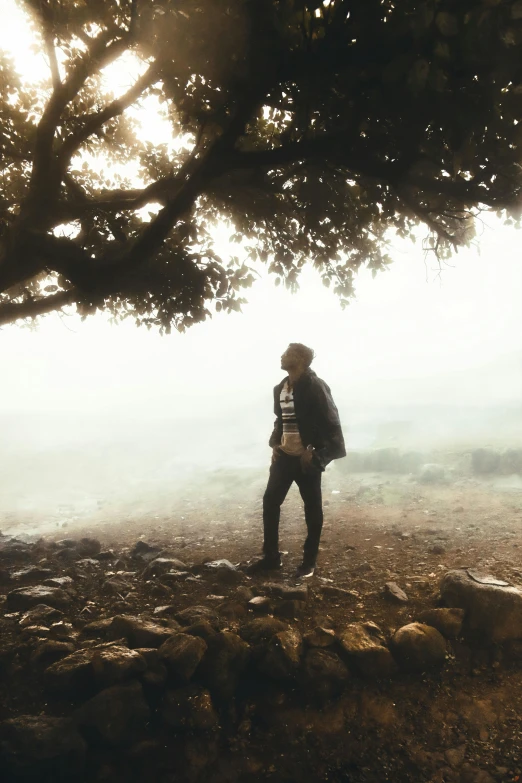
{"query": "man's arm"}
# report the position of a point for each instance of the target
(332, 433)
(277, 432)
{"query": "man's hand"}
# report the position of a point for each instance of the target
(275, 454)
(307, 461)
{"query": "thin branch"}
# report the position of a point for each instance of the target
(94, 121)
(12, 311)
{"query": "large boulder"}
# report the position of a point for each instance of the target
(141, 633)
(447, 621)
(493, 607)
(27, 597)
(115, 714)
(485, 460)
(418, 647)
(195, 614)
(39, 747)
(182, 654)
(282, 655)
(324, 674)
(93, 668)
(365, 647)
(262, 629)
(224, 662)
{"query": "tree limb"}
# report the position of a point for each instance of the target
(12, 311)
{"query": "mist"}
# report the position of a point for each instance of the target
(103, 419)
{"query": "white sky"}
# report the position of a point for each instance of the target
(405, 323)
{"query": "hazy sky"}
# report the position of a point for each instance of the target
(408, 322)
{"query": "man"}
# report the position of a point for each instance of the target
(307, 436)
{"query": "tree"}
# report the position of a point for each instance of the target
(310, 128)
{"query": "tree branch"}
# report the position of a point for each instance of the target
(94, 121)
(12, 311)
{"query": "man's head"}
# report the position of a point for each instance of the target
(297, 358)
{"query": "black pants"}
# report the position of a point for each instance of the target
(283, 472)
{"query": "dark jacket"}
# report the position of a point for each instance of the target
(317, 418)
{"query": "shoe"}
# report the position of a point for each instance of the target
(305, 571)
(265, 564)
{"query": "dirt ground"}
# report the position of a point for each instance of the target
(462, 724)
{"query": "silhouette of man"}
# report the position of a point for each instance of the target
(307, 436)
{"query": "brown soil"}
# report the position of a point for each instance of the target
(377, 529)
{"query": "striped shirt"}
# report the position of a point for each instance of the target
(291, 442)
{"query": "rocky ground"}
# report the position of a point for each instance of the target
(138, 648)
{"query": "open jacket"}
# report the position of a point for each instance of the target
(317, 418)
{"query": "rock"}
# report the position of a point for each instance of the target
(341, 592)
(431, 473)
(106, 554)
(88, 547)
(324, 674)
(27, 597)
(511, 461)
(244, 593)
(282, 656)
(394, 594)
(40, 747)
(203, 629)
(168, 610)
(297, 593)
(194, 614)
(31, 574)
(161, 565)
(261, 604)
(447, 621)
(320, 637)
(437, 549)
(64, 631)
(41, 613)
(493, 610)
(364, 645)
(290, 609)
(12, 550)
(182, 654)
(485, 461)
(262, 629)
(51, 651)
(189, 708)
(140, 633)
(172, 578)
(93, 667)
(455, 756)
(60, 581)
(224, 572)
(418, 647)
(156, 673)
(115, 714)
(97, 627)
(223, 663)
(145, 552)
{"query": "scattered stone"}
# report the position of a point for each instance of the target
(59, 581)
(492, 607)
(262, 629)
(324, 674)
(244, 593)
(115, 713)
(90, 668)
(38, 747)
(320, 637)
(47, 653)
(27, 597)
(171, 578)
(447, 621)
(12, 550)
(203, 629)
(145, 552)
(189, 708)
(41, 613)
(418, 647)
(224, 662)
(140, 633)
(283, 654)
(394, 594)
(182, 654)
(233, 611)
(161, 565)
(194, 614)
(365, 647)
(260, 604)
(224, 572)
(294, 593)
(169, 610)
(106, 554)
(63, 630)
(31, 574)
(437, 549)
(363, 568)
(97, 627)
(156, 673)
(88, 547)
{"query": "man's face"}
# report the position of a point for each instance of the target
(290, 359)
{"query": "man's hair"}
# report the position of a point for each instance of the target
(306, 353)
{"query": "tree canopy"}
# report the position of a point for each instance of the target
(309, 128)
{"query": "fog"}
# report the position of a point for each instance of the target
(107, 416)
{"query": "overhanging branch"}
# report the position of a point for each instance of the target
(12, 311)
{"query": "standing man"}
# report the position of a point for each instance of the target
(307, 436)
